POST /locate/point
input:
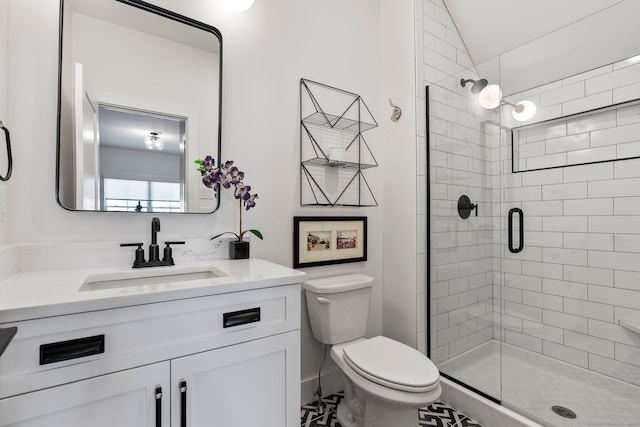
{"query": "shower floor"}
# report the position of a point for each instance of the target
(532, 384)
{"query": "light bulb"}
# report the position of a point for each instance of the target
(237, 5)
(524, 110)
(490, 97)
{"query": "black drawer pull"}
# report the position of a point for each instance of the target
(241, 317)
(183, 403)
(158, 396)
(72, 349)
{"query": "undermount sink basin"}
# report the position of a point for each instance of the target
(148, 276)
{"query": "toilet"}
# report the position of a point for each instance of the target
(385, 381)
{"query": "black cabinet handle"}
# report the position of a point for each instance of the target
(512, 249)
(72, 349)
(183, 404)
(242, 317)
(158, 395)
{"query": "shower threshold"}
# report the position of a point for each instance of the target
(532, 384)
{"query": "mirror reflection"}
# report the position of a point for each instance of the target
(139, 102)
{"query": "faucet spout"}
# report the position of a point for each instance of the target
(154, 250)
(155, 228)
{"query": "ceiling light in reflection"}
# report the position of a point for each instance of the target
(490, 97)
(236, 5)
(524, 110)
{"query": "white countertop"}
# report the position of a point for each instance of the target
(37, 294)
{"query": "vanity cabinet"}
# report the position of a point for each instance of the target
(220, 360)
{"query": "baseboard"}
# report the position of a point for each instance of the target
(482, 410)
(330, 381)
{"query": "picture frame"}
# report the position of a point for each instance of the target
(326, 240)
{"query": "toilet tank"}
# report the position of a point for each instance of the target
(339, 307)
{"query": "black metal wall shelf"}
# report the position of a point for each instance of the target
(333, 152)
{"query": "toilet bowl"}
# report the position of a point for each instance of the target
(385, 381)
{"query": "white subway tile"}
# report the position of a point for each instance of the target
(615, 188)
(531, 149)
(594, 276)
(589, 344)
(615, 135)
(528, 283)
(628, 354)
(552, 176)
(592, 122)
(539, 269)
(595, 172)
(549, 161)
(627, 280)
(564, 223)
(590, 309)
(615, 79)
(627, 168)
(566, 354)
(511, 323)
(546, 239)
(565, 256)
(591, 155)
(614, 260)
(524, 341)
(565, 321)
(598, 241)
(628, 115)
(587, 75)
(522, 194)
(628, 150)
(541, 300)
(543, 208)
(567, 143)
(575, 190)
(546, 131)
(602, 99)
(615, 368)
(545, 332)
(610, 331)
(626, 93)
(627, 243)
(614, 296)
(445, 49)
(614, 224)
(562, 94)
(564, 289)
(602, 206)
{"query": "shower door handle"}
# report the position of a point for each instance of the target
(512, 249)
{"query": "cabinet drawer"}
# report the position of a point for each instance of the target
(144, 334)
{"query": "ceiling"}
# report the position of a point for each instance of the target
(545, 40)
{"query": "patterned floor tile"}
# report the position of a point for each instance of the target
(435, 415)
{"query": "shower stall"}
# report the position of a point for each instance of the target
(533, 296)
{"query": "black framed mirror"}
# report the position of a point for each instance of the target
(139, 99)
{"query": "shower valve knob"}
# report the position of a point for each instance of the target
(465, 207)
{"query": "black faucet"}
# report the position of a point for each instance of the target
(154, 249)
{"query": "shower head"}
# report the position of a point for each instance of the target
(478, 85)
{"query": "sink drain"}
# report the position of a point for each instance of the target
(563, 412)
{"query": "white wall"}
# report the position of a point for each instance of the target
(266, 52)
(402, 235)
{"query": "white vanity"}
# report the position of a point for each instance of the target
(213, 343)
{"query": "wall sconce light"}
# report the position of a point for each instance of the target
(154, 142)
(490, 97)
(236, 5)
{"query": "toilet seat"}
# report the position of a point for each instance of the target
(392, 364)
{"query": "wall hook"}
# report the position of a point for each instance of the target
(396, 113)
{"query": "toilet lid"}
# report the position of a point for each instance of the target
(392, 364)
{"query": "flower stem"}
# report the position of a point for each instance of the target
(240, 205)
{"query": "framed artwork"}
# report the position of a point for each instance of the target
(325, 240)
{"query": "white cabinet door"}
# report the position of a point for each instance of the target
(123, 399)
(249, 384)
